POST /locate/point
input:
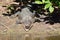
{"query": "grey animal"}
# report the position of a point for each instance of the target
(26, 17)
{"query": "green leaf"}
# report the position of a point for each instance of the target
(47, 1)
(38, 2)
(47, 6)
(43, 1)
(51, 9)
(59, 3)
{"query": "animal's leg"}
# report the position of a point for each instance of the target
(15, 15)
(18, 22)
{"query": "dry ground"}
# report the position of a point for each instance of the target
(11, 31)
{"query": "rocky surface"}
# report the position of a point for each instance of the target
(9, 30)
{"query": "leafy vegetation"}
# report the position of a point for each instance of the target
(49, 4)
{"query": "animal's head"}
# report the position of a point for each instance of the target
(28, 23)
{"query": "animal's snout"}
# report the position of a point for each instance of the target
(27, 27)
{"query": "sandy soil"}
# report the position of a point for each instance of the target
(9, 27)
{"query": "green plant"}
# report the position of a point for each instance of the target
(48, 4)
(55, 2)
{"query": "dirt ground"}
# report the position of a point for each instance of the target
(8, 27)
